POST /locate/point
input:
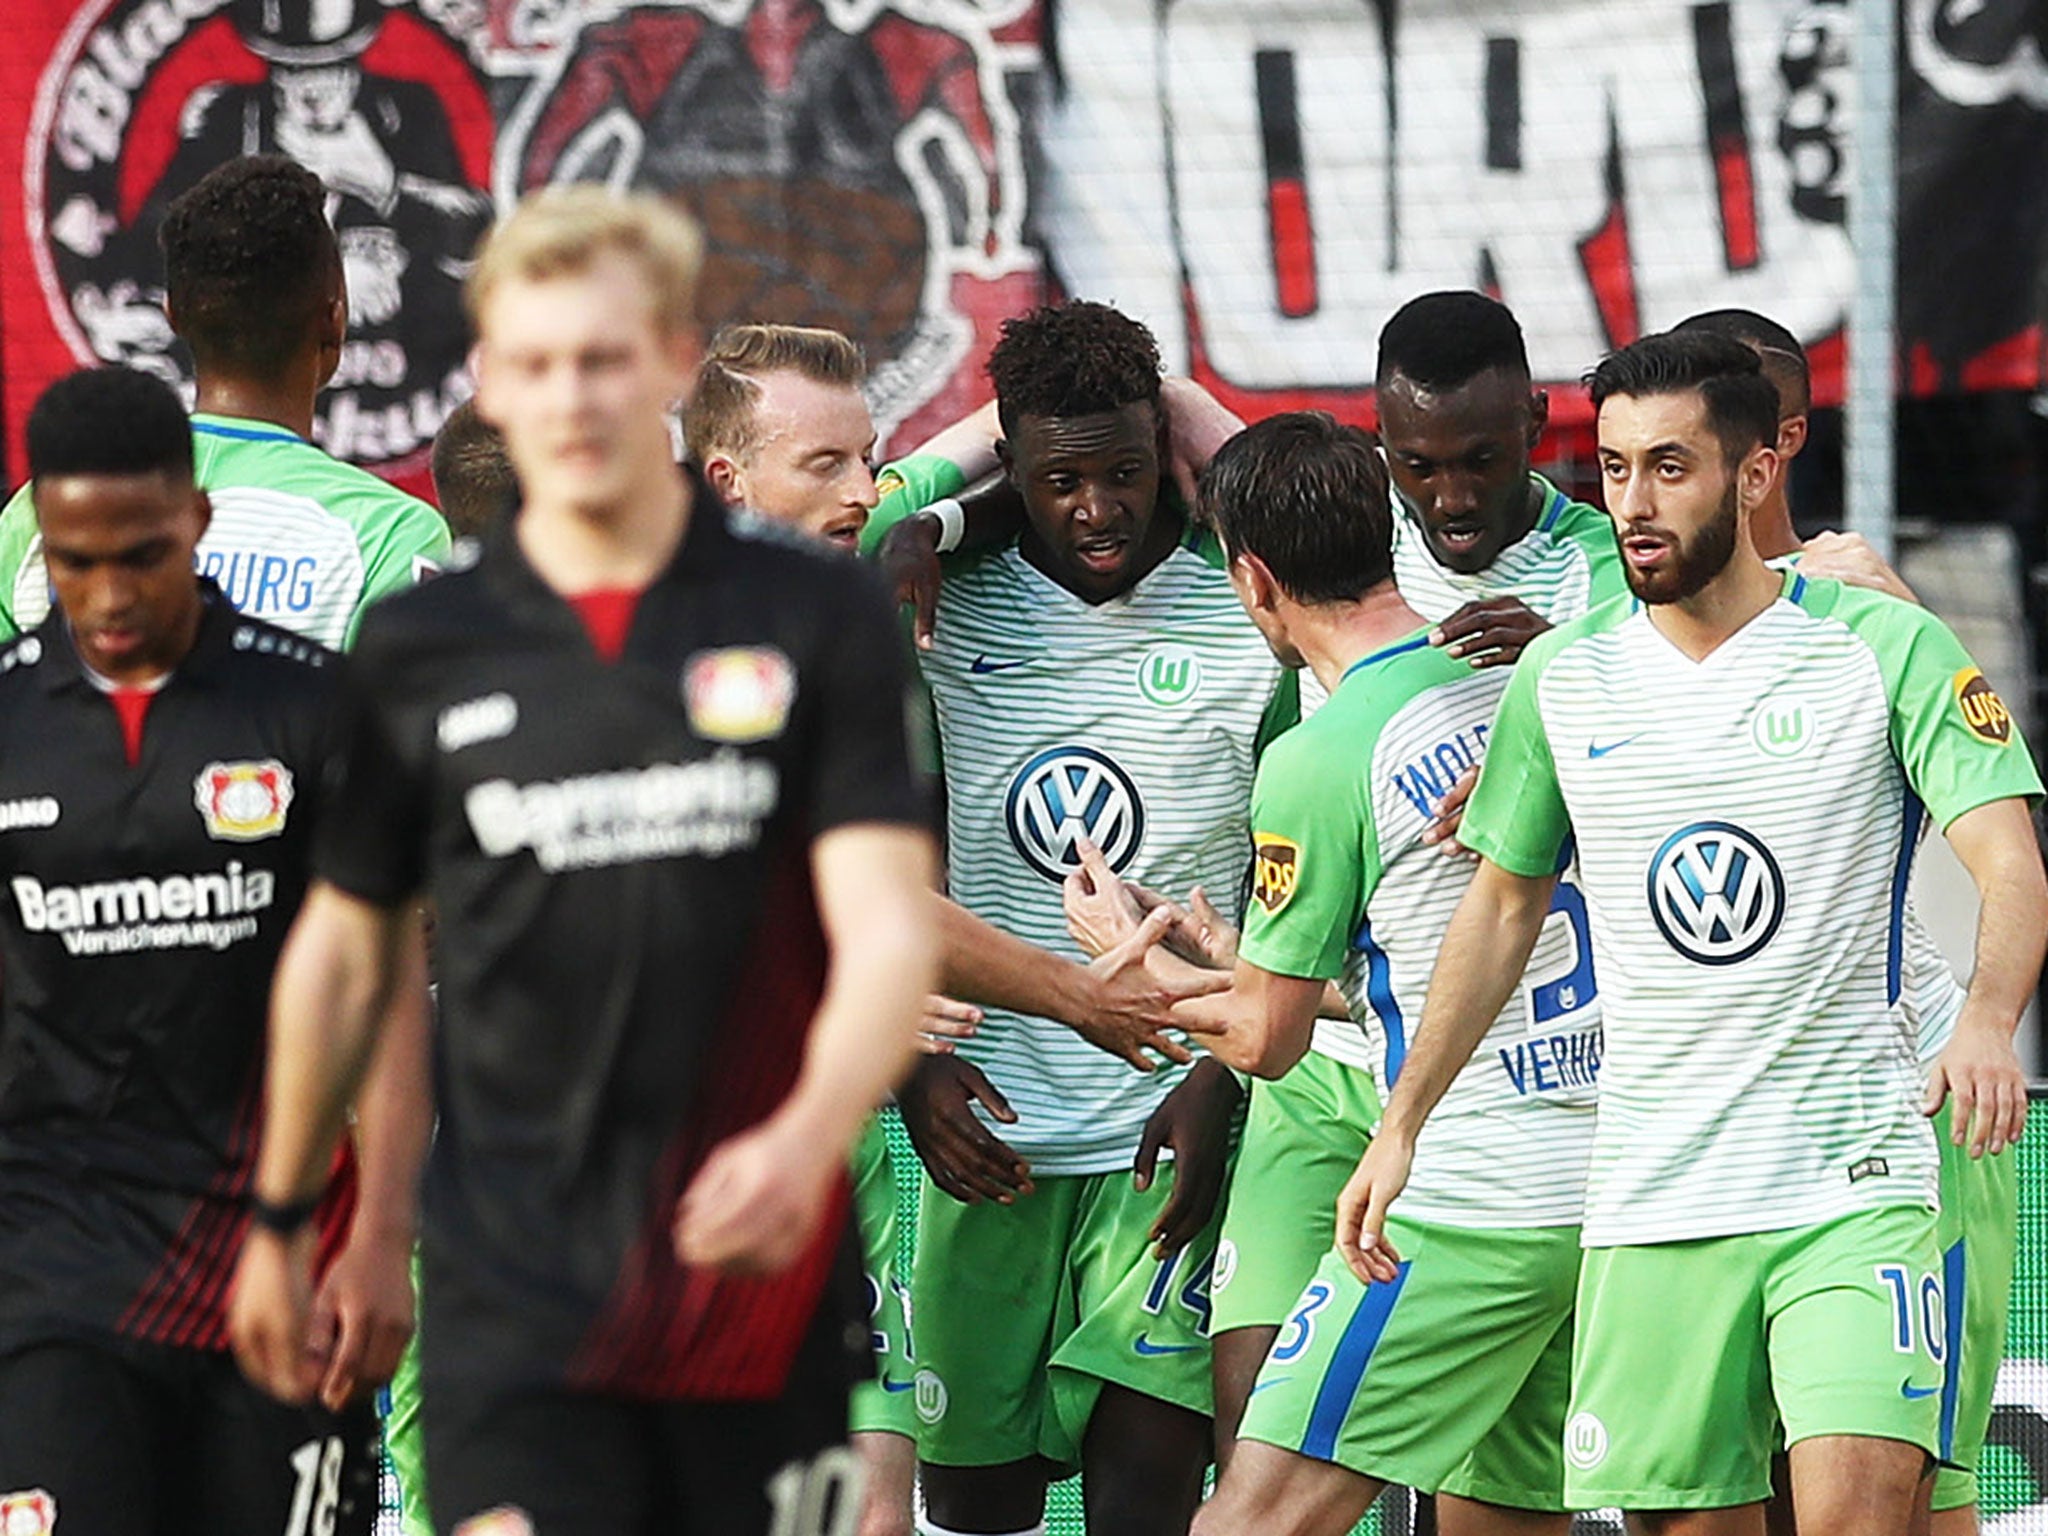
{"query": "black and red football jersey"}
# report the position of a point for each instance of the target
(628, 949)
(142, 906)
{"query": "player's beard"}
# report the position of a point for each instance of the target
(1696, 561)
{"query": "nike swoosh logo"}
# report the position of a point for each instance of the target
(1144, 1346)
(981, 665)
(1267, 1381)
(896, 1386)
(1594, 749)
(1908, 1390)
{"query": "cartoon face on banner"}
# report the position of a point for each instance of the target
(854, 163)
(142, 97)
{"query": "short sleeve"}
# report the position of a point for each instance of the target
(1314, 860)
(1955, 738)
(415, 543)
(906, 487)
(373, 828)
(1516, 816)
(859, 768)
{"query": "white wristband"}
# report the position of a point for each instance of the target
(952, 522)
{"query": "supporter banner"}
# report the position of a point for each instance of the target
(855, 163)
(1266, 183)
(1263, 182)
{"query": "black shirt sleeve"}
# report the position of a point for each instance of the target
(859, 768)
(371, 840)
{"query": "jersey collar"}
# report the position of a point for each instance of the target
(512, 575)
(62, 668)
(241, 429)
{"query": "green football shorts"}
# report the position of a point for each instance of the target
(1833, 1328)
(1303, 1136)
(1978, 1236)
(1452, 1377)
(1024, 1311)
(883, 1402)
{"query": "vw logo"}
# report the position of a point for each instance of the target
(1065, 794)
(1716, 893)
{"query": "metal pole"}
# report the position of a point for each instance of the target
(1869, 471)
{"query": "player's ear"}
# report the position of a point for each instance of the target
(202, 505)
(1756, 475)
(1792, 437)
(724, 477)
(1254, 581)
(1008, 460)
(1539, 415)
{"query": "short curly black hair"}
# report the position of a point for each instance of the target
(249, 262)
(1072, 359)
(109, 421)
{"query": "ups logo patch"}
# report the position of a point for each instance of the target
(1275, 868)
(1983, 711)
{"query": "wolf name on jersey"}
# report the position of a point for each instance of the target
(298, 538)
(142, 908)
(1345, 887)
(1759, 1069)
(1134, 723)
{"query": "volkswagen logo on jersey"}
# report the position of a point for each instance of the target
(1716, 893)
(1065, 794)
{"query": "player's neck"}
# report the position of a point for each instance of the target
(280, 404)
(579, 548)
(1771, 526)
(1334, 637)
(1700, 624)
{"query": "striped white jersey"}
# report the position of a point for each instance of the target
(1928, 989)
(1746, 827)
(1134, 722)
(1344, 886)
(1564, 566)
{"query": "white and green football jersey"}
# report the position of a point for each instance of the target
(1344, 887)
(1563, 567)
(1928, 989)
(298, 538)
(1566, 565)
(1135, 723)
(1746, 827)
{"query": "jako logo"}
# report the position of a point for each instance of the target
(1716, 893)
(1065, 794)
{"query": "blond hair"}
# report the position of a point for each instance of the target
(720, 415)
(563, 229)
